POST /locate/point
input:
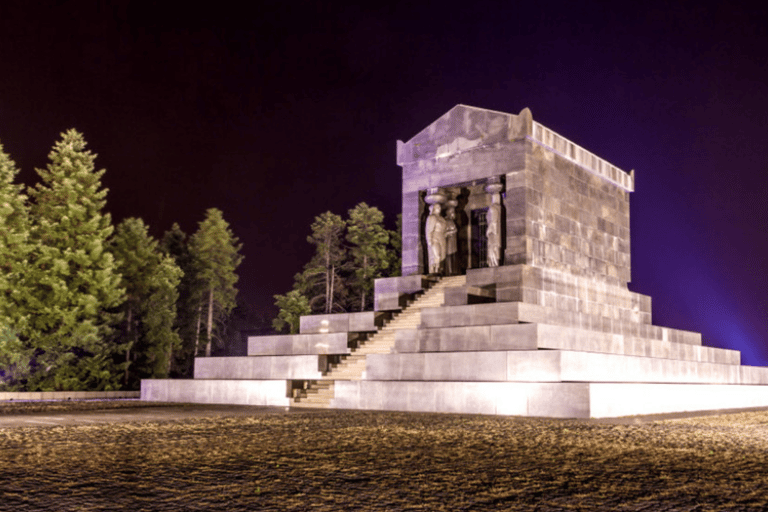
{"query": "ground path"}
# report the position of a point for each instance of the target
(61, 413)
(123, 456)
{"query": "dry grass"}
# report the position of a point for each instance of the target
(388, 461)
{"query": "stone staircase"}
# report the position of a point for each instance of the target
(352, 367)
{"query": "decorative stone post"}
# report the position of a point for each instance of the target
(435, 230)
(493, 219)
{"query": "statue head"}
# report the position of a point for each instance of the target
(435, 209)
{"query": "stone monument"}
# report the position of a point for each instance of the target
(513, 299)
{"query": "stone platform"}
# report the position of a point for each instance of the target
(476, 361)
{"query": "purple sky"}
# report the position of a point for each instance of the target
(279, 112)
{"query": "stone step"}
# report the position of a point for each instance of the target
(319, 396)
(315, 405)
(382, 342)
(373, 346)
(321, 387)
(349, 370)
(405, 321)
(320, 392)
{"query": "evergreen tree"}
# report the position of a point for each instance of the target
(370, 256)
(175, 244)
(76, 283)
(215, 256)
(151, 279)
(336, 275)
(15, 356)
(321, 281)
(292, 306)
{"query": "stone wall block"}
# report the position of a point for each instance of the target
(407, 340)
(364, 321)
(456, 296)
(387, 302)
(513, 337)
(533, 366)
(508, 293)
(482, 276)
(515, 203)
(313, 324)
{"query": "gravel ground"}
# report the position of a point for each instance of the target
(357, 460)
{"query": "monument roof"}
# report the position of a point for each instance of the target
(464, 128)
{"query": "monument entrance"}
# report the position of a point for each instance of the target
(479, 246)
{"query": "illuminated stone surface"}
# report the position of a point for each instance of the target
(265, 367)
(328, 343)
(200, 391)
(551, 331)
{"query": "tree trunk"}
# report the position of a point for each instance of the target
(333, 282)
(328, 282)
(197, 330)
(130, 343)
(210, 322)
(168, 364)
(365, 276)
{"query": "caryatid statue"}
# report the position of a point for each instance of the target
(451, 243)
(493, 222)
(435, 234)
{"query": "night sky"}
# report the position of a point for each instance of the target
(279, 111)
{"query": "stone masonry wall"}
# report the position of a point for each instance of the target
(563, 217)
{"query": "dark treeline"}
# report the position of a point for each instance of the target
(85, 305)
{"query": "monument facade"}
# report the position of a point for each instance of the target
(513, 299)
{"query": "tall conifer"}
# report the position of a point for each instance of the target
(14, 249)
(76, 283)
(369, 250)
(151, 279)
(215, 253)
(175, 244)
(321, 280)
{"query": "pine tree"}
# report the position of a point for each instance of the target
(15, 355)
(76, 283)
(175, 244)
(292, 306)
(370, 256)
(151, 279)
(321, 281)
(340, 278)
(215, 254)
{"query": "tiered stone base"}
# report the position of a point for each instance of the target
(538, 399)
(554, 400)
(576, 349)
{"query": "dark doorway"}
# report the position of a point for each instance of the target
(479, 243)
